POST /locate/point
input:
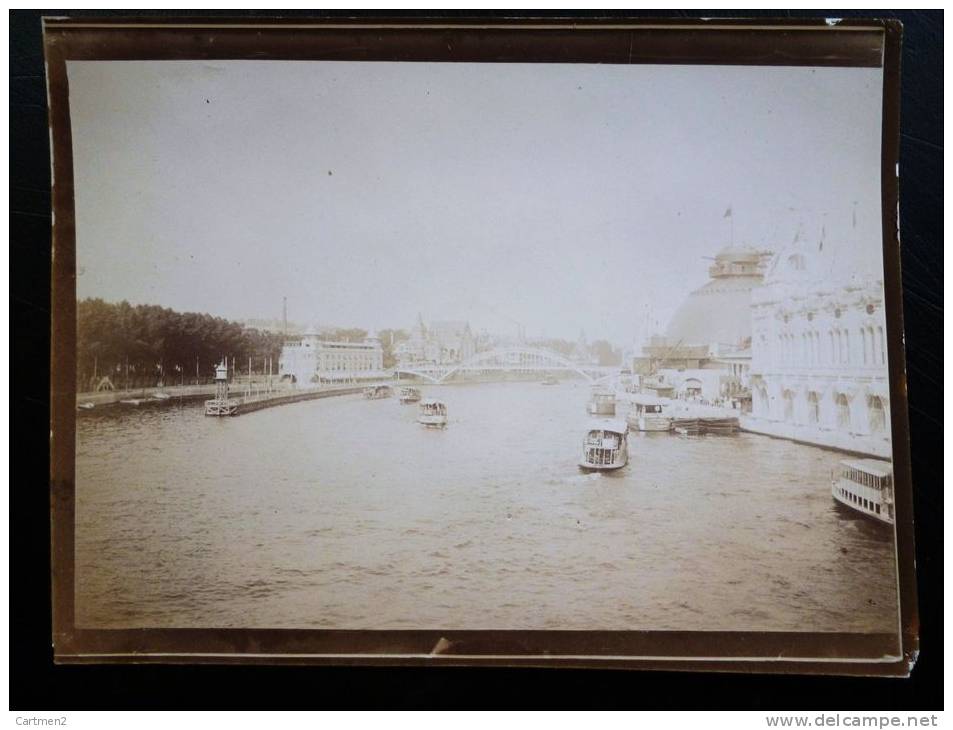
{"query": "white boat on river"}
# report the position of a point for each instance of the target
(866, 486)
(606, 445)
(409, 395)
(648, 413)
(432, 413)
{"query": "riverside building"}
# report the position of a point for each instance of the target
(819, 349)
(312, 360)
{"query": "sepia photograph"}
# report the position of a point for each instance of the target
(569, 347)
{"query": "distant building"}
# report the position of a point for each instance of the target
(314, 360)
(819, 349)
(443, 342)
(705, 352)
(582, 353)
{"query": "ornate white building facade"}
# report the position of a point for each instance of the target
(819, 350)
(312, 360)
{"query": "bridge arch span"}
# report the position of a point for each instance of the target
(508, 359)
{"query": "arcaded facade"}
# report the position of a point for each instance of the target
(819, 352)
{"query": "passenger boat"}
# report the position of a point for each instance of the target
(550, 380)
(648, 414)
(409, 395)
(865, 485)
(601, 403)
(432, 413)
(161, 396)
(86, 406)
(606, 445)
(376, 392)
(133, 401)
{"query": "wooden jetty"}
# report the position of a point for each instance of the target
(700, 425)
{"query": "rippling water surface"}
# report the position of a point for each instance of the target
(345, 513)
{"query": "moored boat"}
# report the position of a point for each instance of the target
(409, 395)
(866, 486)
(606, 445)
(648, 414)
(601, 403)
(432, 413)
(375, 392)
(550, 380)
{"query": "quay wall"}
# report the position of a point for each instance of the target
(180, 393)
(865, 444)
(269, 400)
(177, 392)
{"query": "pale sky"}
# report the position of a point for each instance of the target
(560, 196)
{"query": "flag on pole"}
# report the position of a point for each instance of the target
(727, 213)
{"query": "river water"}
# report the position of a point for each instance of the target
(345, 513)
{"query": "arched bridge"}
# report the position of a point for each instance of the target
(508, 359)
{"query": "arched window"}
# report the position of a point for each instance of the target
(788, 405)
(813, 407)
(882, 346)
(876, 414)
(832, 359)
(843, 411)
(761, 400)
(847, 346)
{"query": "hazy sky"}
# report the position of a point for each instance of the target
(558, 196)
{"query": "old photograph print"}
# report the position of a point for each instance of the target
(379, 345)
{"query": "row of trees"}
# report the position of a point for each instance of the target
(142, 345)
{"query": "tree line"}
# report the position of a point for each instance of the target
(143, 345)
(136, 346)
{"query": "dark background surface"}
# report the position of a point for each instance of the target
(37, 684)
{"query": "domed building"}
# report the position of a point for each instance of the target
(705, 350)
(719, 313)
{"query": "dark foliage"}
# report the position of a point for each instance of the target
(147, 344)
